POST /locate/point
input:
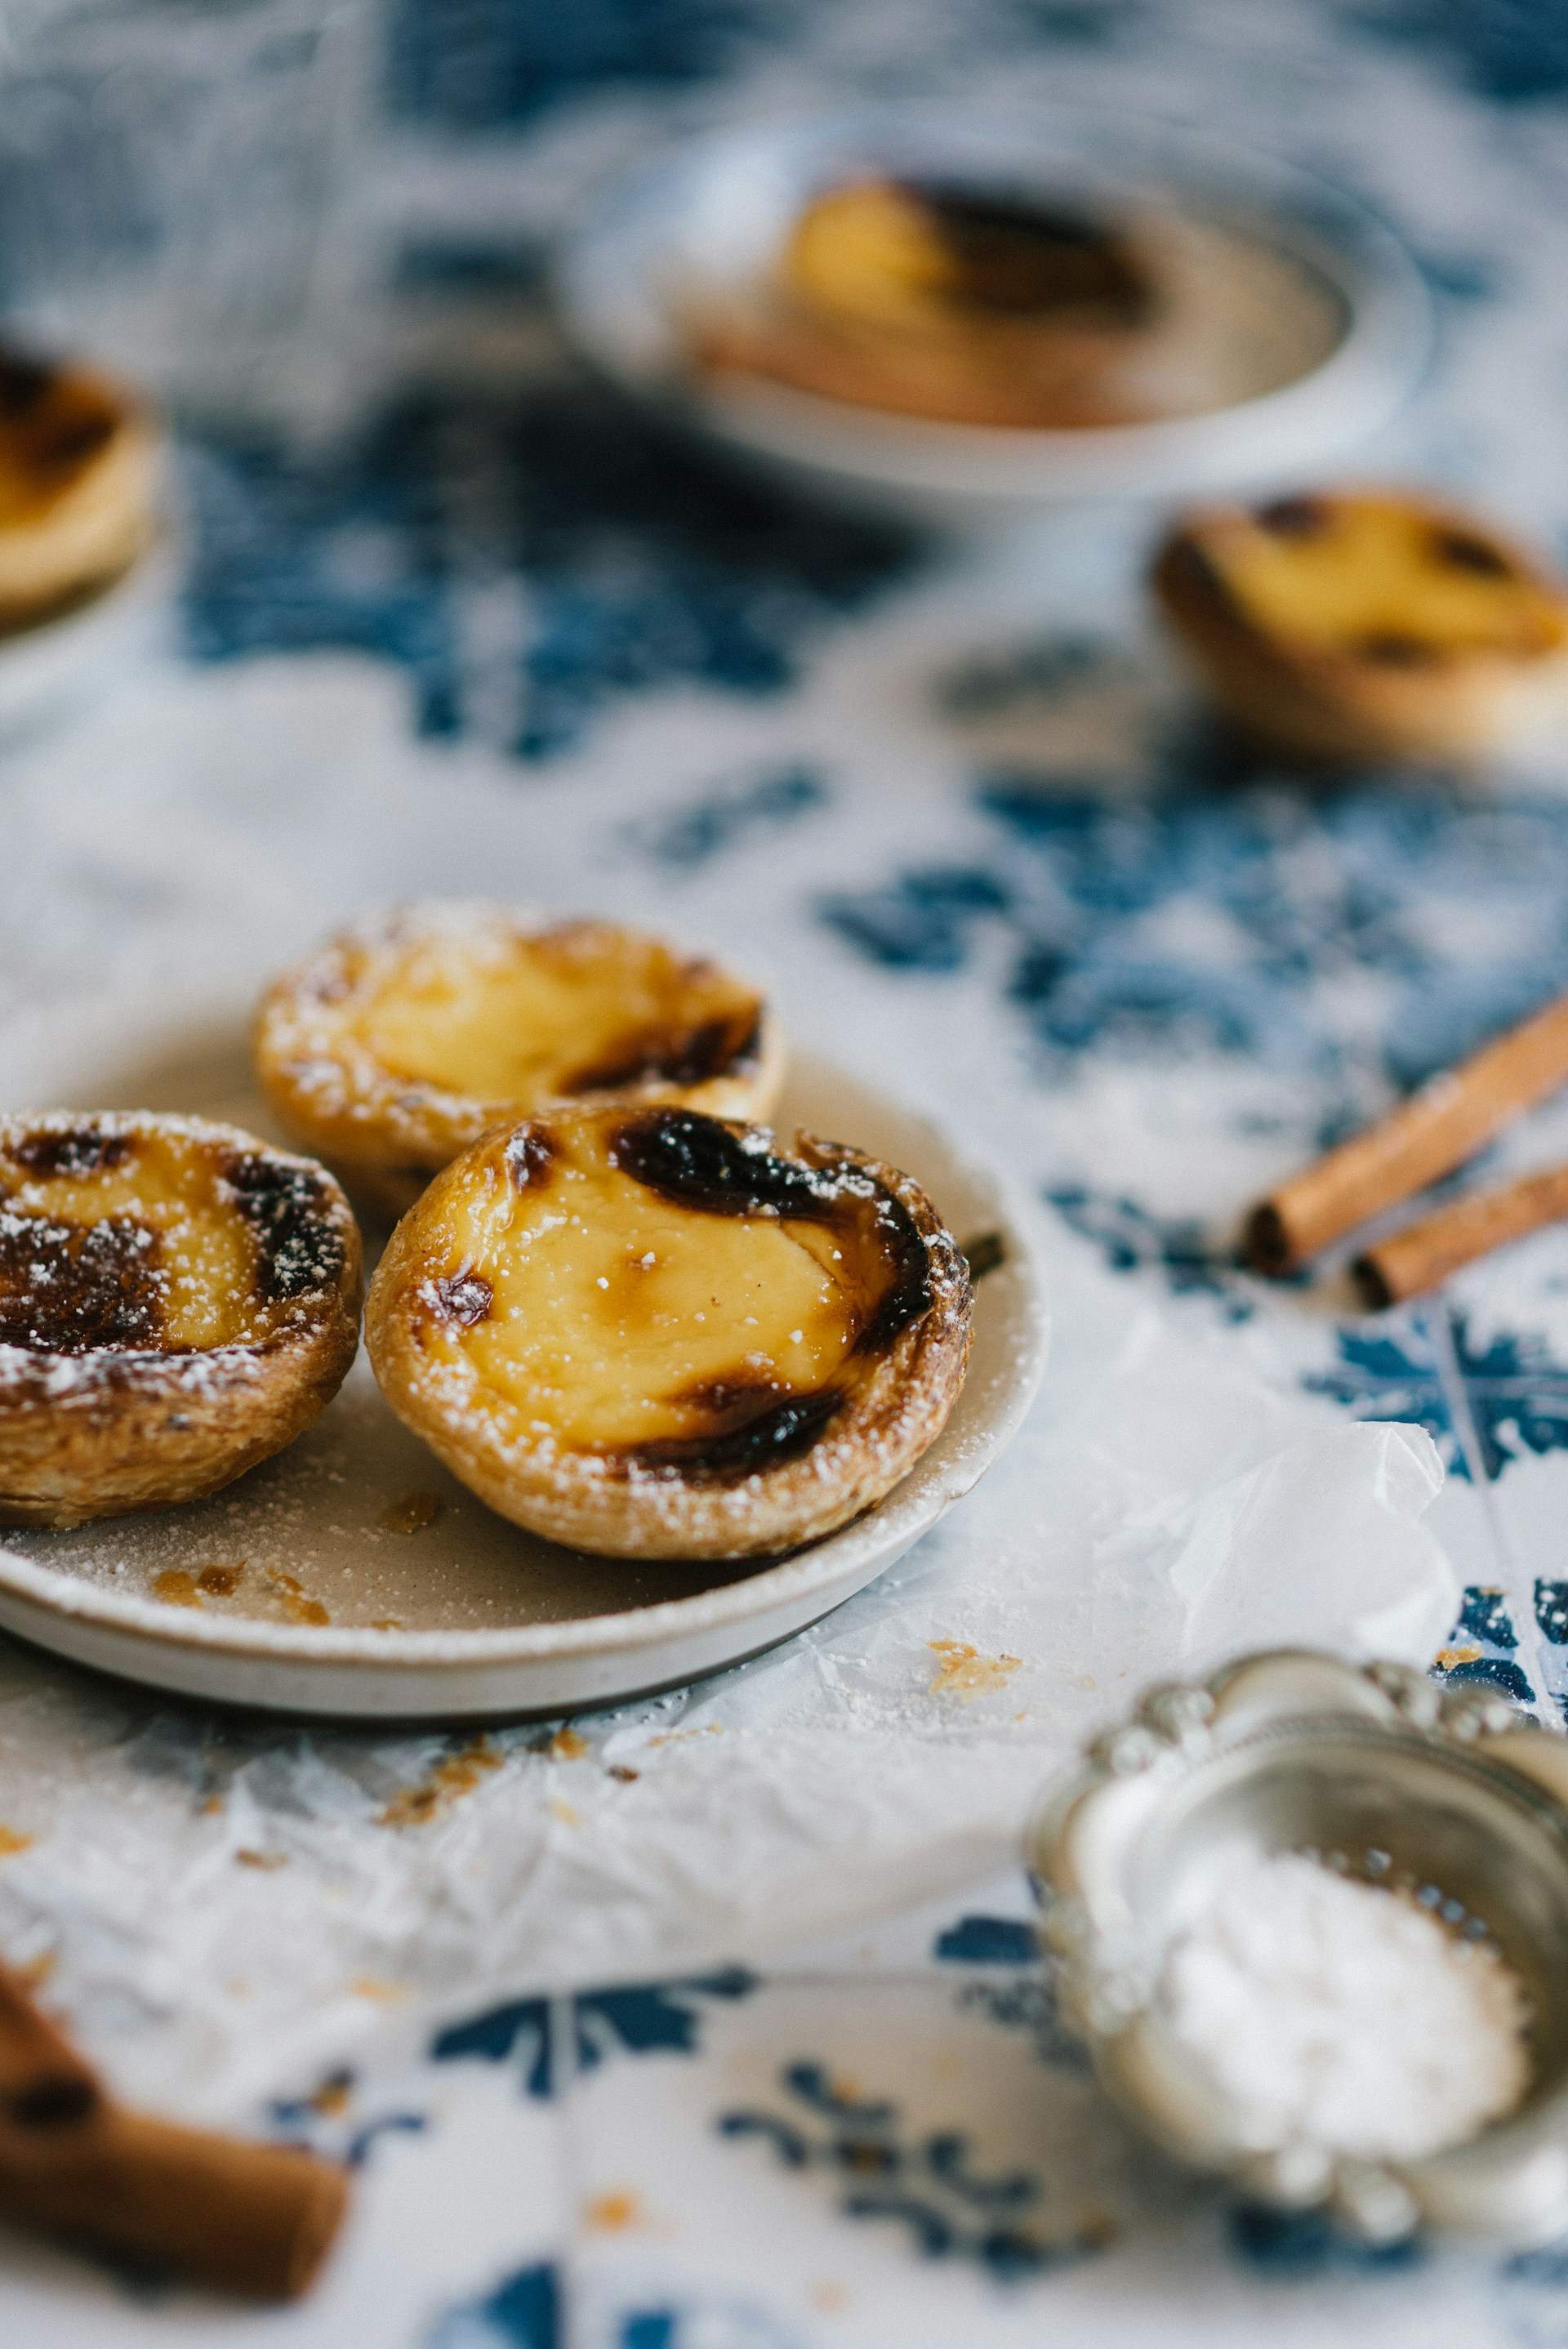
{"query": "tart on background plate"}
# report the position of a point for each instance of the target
(973, 305)
(647, 1332)
(78, 482)
(400, 1041)
(1372, 624)
(177, 1302)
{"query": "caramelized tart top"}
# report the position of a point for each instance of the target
(671, 1292)
(1398, 582)
(124, 1232)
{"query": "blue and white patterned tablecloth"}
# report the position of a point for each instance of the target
(952, 803)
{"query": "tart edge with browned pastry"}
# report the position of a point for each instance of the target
(90, 1430)
(1335, 705)
(386, 1134)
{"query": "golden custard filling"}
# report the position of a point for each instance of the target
(501, 1014)
(905, 255)
(660, 1285)
(1387, 578)
(128, 1239)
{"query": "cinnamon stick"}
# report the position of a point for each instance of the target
(248, 2217)
(1425, 1253)
(1427, 1137)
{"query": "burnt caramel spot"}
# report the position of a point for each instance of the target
(75, 1150)
(70, 1288)
(24, 382)
(55, 2100)
(1465, 552)
(1188, 570)
(1019, 256)
(703, 1164)
(220, 1581)
(530, 1154)
(775, 1432)
(1393, 648)
(1293, 517)
(908, 1295)
(730, 1404)
(62, 446)
(299, 1248)
(690, 1056)
(465, 1297)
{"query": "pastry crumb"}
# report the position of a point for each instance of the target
(411, 1513)
(614, 2212)
(457, 1776)
(962, 1671)
(293, 1598)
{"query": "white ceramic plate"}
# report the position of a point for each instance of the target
(44, 669)
(489, 1621)
(715, 213)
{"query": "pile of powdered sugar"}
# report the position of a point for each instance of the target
(1337, 2013)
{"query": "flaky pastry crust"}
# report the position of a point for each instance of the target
(807, 1459)
(1403, 687)
(177, 1301)
(657, 1026)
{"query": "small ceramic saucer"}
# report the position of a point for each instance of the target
(352, 1577)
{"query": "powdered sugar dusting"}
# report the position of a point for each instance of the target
(1334, 2012)
(104, 1277)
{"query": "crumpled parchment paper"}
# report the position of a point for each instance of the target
(224, 1907)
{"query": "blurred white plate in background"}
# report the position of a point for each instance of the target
(686, 229)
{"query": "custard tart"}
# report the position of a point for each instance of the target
(177, 1302)
(651, 1333)
(1368, 625)
(956, 303)
(78, 460)
(401, 1042)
